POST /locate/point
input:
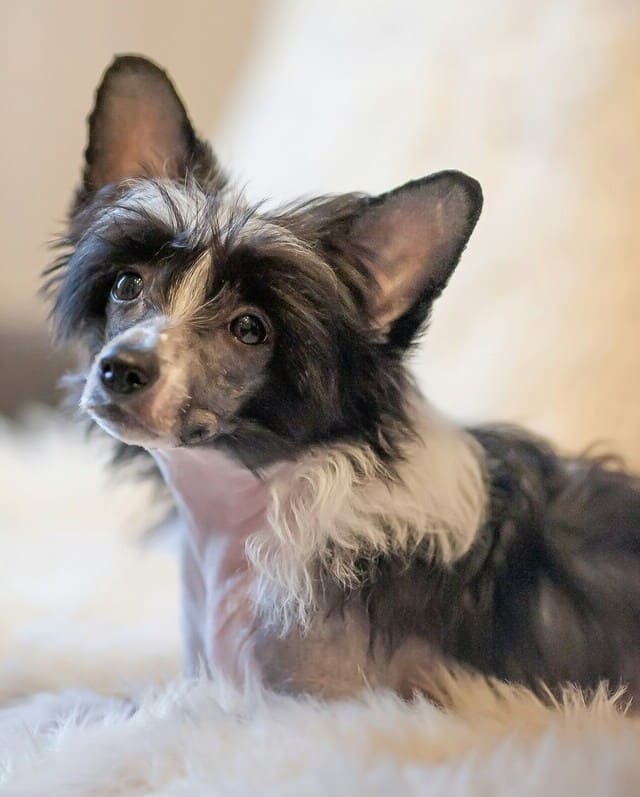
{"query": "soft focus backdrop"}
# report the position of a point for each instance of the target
(540, 100)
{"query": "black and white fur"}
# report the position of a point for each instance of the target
(339, 532)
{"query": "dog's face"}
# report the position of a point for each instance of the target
(211, 323)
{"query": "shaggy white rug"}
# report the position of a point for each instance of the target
(195, 740)
(82, 599)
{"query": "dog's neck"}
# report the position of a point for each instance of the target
(333, 502)
(218, 499)
(255, 547)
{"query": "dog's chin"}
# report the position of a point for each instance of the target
(141, 424)
(128, 428)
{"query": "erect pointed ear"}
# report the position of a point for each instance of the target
(140, 128)
(412, 239)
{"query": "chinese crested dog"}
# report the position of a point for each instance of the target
(338, 531)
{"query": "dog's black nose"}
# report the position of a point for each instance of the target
(127, 371)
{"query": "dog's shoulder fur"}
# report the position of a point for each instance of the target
(544, 592)
(547, 592)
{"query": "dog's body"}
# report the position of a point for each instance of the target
(339, 532)
(538, 594)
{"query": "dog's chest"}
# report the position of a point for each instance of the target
(218, 613)
(222, 629)
(331, 658)
(222, 506)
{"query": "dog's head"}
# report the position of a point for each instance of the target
(212, 323)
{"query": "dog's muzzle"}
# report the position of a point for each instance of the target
(137, 390)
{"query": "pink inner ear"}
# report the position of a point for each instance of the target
(138, 127)
(404, 244)
(144, 143)
(414, 236)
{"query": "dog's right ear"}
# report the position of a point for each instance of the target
(139, 128)
(410, 240)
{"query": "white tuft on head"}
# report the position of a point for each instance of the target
(187, 297)
(181, 206)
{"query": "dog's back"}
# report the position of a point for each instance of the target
(550, 591)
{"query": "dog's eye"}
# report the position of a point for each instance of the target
(127, 287)
(248, 329)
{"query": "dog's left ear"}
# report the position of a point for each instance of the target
(411, 240)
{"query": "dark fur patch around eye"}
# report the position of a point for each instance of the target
(325, 380)
(97, 249)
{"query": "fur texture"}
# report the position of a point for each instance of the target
(340, 506)
(196, 738)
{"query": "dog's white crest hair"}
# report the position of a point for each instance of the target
(340, 503)
(188, 210)
(186, 298)
(181, 206)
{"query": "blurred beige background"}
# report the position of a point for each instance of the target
(51, 58)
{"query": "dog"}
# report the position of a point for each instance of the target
(339, 532)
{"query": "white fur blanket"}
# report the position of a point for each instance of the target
(195, 740)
